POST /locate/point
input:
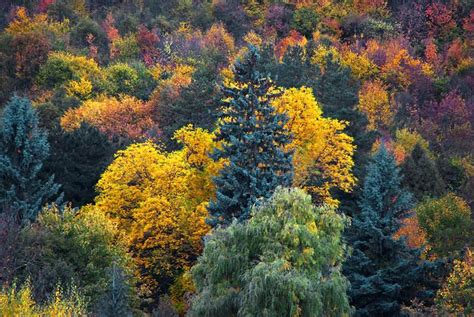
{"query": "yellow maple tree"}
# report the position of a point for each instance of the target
(158, 201)
(375, 103)
(23, 23)
(323, 152)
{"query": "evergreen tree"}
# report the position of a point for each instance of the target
(285, 261)
(116, 300)
(78, 159)
(295, 69)
(338, 91)
(383, 271)
(23, 148)
(421, 176)
(253, 137)
(196, 105)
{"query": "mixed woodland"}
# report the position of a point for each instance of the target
(236, 158)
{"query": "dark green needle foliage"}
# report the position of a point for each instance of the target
(285, 261)
(421, 176)
(117, 298)
(383, 271)
(254, 138)
(78, 159)
(23, 149)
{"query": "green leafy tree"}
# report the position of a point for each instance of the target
(383, 271)
(66, 247)
(121, 79)
(253, 137)
(285, 261)
(447, 224)
(421, 176)
(305, 21)
(23, 149)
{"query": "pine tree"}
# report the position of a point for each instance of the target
(23, 148)
(383, 271)
(421, 176)
(253, 137)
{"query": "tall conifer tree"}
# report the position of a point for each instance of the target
(23, 148)
(254, 138)
(77, 159)
(421, 176)
(383, 271)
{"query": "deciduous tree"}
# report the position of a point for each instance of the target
(124, 117)
(457, 295)
(158, 200)
(322, 151)
(447, 223)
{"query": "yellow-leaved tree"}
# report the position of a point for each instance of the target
(374, 101)
(158, 201)
(323, 152)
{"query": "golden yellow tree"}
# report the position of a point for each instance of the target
(374, 102)
(323, 152)
(457, 295)
(158, 201)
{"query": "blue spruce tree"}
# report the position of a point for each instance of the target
(383, 271)
(23, 148)
(254, 138)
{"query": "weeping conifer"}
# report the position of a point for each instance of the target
(285, 261)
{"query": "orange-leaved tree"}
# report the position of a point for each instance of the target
(125, 117)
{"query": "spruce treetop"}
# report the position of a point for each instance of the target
(254, 141)
(23, 148)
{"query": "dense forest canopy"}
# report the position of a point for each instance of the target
(236, 157)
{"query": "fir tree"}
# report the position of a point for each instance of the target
(23, 148)
(383, 271)
(253, 137)
(421, 176)
(116, 301)
(78, 159)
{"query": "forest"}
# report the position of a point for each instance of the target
(236, 158)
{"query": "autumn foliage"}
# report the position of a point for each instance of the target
(165, 123)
